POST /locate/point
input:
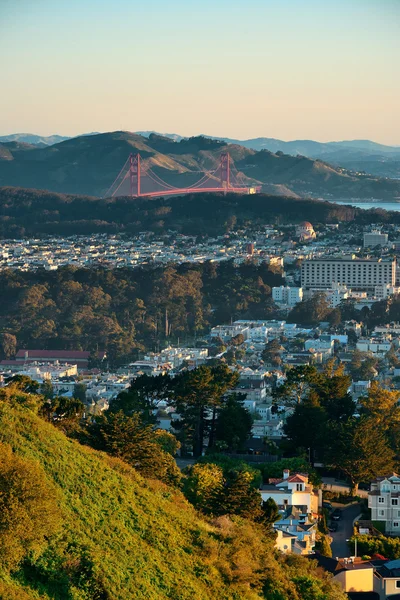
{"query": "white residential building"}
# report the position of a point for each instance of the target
(292, 490)
(376, 346)
(287, 295)
(384, 502)
(375, 238)
(227, 332)
(359, 389)
(385, 291)
(40, 372)
(325, 346)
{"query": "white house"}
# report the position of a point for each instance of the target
(384, 502)
(292, 490)
(325, 346)
(227, 332)
(374, 345)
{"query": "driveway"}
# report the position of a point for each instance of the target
(345, 531)
(335, 485)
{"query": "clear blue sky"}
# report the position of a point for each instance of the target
(320, 69)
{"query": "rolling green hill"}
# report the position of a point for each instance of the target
(89, 164)
(124, 537)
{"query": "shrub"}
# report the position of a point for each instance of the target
(28, 509)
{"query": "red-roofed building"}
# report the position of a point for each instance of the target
(293, 490)
(72, 357)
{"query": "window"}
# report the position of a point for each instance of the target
(299, 487)
(394, 501)
(381, 513)
(381, 500)
(398, 584)
(395, 523)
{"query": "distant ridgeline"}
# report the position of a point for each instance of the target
(26, 212)
(89, 164)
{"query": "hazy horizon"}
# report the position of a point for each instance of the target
(287, 70)
(196, 134)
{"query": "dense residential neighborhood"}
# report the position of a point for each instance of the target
(273, 365)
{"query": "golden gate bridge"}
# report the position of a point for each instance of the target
(137, 179)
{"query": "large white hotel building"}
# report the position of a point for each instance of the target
(355, 273)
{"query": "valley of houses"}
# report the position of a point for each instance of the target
(282, 245)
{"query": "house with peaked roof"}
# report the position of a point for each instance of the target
(354, 576)
(387, 580)
(384, 502)
(297, 523)
(293, 490)
(375, 579)
(284, 541)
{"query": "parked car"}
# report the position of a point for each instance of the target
(333, 526)
(336, 515)
(326, 504)
(364, 486)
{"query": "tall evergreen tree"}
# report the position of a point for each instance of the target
(196, 396)
(234, 422)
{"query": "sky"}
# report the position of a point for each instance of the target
(289, 69)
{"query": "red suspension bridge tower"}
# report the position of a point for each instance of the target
(134, 174)
(225, 170)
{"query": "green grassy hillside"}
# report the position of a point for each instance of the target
(124, 537)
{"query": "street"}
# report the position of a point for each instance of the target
(345, 531)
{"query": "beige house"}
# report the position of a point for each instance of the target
(297, 523)
(352, 574)
(284, 541)
(380, 579)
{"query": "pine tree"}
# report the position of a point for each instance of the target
(240, 496)
(269, 512)
(136, 443)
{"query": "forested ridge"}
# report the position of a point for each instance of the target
(125, 310)
(26, 212)
(82, 524)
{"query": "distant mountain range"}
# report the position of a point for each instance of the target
(89, 164)
(37, 140)
(355, 155)
(31, 138)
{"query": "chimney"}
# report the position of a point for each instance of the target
(286, 473)
(26, 354)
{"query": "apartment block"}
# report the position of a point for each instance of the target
(287, 295)
(355, 273)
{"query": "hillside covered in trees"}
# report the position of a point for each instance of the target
(79, 524)
(26, 212)
(124, 310)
